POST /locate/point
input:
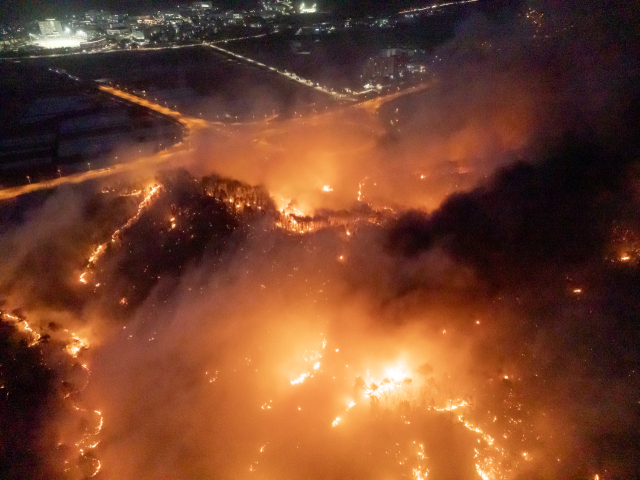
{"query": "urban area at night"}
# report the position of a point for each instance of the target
(363, 239)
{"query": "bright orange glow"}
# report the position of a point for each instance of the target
(325, 332)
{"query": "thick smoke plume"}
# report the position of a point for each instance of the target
(484, 324)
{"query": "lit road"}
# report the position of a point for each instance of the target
(143, 49)
(369, 105)
(90, 175)
(439, 5)
(190, 123)
(254, 134)
(289, 75)
(374, 104)
(338, 96)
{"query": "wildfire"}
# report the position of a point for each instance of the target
(419, 475)
(454, 406)
(624, 245)
(395, 388)
(360, 186)
(101, 249)
(421, 472)
(97, 252)
(250, 294)
(23, 325)
(300, 379)
(75, 346)
(398, 387)
(89, 439)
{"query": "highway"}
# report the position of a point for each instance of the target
(91, 174)
(144, 49)
(289, 75)
(252, 134)
(191, 125)
(438, 5)
(189, 122)
(373, 105)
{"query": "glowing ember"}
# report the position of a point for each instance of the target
(300, 379)
(449, 408)
(75, 346)
(88, 440)
(101, 249)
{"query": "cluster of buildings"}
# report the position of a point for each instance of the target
(96, 29)
(393, 66)
(390, 64)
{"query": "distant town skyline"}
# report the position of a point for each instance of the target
(25, 11)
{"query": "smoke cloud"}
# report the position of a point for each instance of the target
(484, 323)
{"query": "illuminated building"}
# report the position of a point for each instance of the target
(95, 15)
(389, 65)
(137, 36)
(305, 9)
(93, 44)
(201, 5)
(283, 8)
(86, 32)
(118, 31)
(50, 26)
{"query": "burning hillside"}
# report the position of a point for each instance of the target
(444, 300)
